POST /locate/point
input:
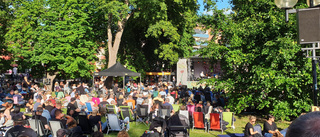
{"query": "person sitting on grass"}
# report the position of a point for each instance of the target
(249, 130)
(270, 128)
(29, 105)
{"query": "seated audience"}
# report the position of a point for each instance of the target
(19, 130)
(270, 127)
(64, 119)
(76, 131)
(39, 116)
(306, 125)
(29, 105)
(248, 130)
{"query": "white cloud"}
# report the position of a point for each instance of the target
(208, 12)
(227, 11)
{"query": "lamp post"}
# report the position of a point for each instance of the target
(288, 4)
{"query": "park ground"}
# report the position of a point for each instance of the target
(136, 130)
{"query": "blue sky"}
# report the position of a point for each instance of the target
(221, 4)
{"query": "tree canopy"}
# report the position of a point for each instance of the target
(263, 65)
(53, 35)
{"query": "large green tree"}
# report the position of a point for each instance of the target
(6, 17)
(160, 35)
(263, 66)
(55, 36)
(164, 30)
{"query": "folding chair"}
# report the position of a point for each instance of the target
(112, 109)
(198, 120)
(214, 122)
(114, 123)
(89, 107)
(55, 126)
(228, 117)
(38, 127)
(178, 125)
(142, 114)
(185, 113)
(83, 122)
(125, 112)
(164, 112)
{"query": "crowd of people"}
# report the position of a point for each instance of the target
(47, 105)
(86, 113)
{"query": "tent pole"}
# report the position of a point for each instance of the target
(124, 79)
(140, 83)
(93, 81)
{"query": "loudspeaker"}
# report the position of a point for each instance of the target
(308, 25)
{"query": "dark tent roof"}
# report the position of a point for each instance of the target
(117, 70)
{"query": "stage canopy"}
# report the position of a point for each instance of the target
(117, 70)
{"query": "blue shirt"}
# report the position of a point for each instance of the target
(10, 95)
(36, 106)
(46, 114)
(167, 104)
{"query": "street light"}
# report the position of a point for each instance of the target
(288, 4)
(285, 4)
(313, 2)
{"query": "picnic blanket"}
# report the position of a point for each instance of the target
(232, 135)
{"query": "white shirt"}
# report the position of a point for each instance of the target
(171, 100)
(162, 93)
(15, 70)
(139, 101)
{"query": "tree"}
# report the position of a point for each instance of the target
(54, 35)
(263, 65)
(5, 20)
(169, 23)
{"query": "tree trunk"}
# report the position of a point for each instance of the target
(51, 77)
(112, 57)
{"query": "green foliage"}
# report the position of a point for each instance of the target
(158, 35)
(5, 22)
(263, 66)
(54, 33)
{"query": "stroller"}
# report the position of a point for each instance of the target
(178, 126)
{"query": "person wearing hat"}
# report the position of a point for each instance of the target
(39, 116)
(19, 129)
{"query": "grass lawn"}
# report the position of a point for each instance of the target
(241, 121)
(136, 130)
